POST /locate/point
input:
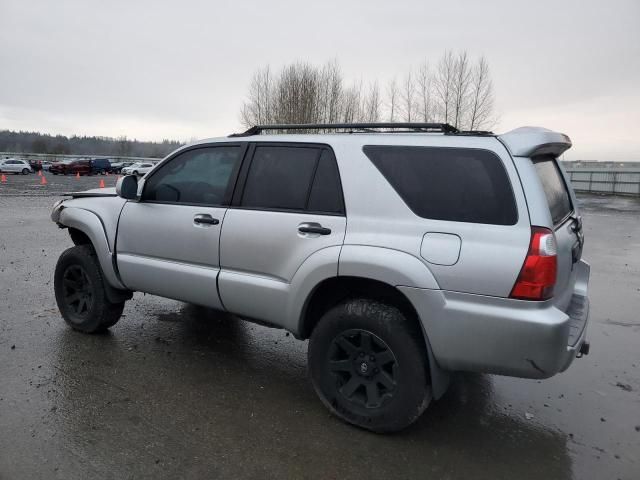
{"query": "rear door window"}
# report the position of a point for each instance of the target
(454, 184)
(554, 188)
(280, 177)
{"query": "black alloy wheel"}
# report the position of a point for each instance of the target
(365, 368)
(81, 291)
(78, 292)
(368, 364)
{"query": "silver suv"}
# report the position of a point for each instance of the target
(402, 251)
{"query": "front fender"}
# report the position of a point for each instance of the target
(89, 224)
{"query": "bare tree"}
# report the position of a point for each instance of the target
(392, 95)
(352, 103)
(444, 85)
(457, 91)
(258, 108)
(300, 93)
(372, 107)
(331, 88)
(481, 109)
(407, 98)
(424, 81)
(460, 88)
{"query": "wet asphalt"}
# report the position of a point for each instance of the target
(176, 391)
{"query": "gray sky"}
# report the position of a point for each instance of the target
(155, 69)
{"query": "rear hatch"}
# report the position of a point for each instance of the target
(567, 226)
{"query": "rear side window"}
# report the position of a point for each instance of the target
(455, 184)
(554, 188)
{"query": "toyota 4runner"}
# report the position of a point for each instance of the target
(402, 251)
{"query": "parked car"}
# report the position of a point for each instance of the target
(14, 165)
(83, 167)
(140, 168)
(35, 164)
(99, 166)
(401, 256)
(61, 167)
(116, 167)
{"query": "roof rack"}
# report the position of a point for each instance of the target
(361, 127)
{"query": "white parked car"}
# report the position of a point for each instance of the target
(13, 165)
(139, 168)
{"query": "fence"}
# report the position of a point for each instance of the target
(615, 180)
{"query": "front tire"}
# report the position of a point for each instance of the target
(80, 291)
(135, 172)
(368, 365)
(25, 171)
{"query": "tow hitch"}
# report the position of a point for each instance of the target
(584, 349)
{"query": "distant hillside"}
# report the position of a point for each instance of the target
(35, 142)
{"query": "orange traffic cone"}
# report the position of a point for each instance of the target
(3, 178)
(77, 174)
(43, 180)
(101, 183)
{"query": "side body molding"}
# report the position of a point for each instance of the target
(89, 223)
(390, 266)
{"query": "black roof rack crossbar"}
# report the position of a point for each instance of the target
(388, 126)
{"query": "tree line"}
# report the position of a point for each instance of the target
(456, 89)
(35, 142)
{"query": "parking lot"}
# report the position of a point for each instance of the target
(176, 391)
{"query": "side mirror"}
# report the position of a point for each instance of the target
(127, 187)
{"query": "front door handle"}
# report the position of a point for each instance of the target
(203, 218)
(313, 228)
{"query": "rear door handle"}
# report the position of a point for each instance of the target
(313, 228)
(206, 219)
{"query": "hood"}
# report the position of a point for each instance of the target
(95, 192)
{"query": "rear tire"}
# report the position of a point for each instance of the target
(80, 291)
(368, 365)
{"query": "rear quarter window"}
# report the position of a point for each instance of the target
(555, 189)
(455, 184)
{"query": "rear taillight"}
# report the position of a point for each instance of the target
(538, 275)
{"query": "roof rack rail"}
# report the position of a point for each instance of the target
(366, 127)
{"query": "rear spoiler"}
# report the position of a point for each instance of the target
(532, 141)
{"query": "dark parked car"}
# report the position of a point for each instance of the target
(82, 167)
(35, 164)
(60, 167)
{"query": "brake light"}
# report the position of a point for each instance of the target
(538, 275)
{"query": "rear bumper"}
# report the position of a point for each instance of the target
(500, 335)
